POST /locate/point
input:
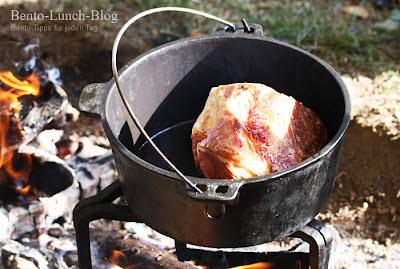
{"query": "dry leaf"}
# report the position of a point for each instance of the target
(196, 33)
(357, 11)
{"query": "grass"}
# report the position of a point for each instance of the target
(322, 28)
(315, 25)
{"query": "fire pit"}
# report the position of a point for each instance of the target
(167, 88)
(317, 235)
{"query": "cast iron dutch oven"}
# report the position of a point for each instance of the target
(168, 87)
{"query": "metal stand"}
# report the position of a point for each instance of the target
(100, 206)
(315, 234)
(320, 240)
(97, 207)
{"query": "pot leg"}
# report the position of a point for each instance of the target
(319, 238)
(97, 207)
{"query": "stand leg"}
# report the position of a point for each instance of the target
(320, 241)
(83, 244)
(97, 207)
(181, 251)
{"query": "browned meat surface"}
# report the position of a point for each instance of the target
(248, 130)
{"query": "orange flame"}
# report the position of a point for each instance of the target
(258, 265)
(30, 85)
(11, 89)
(118, 258)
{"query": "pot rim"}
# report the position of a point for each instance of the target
(270, 177)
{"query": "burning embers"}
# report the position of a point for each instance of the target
(15, 168)
(119, 259)
(258, 265)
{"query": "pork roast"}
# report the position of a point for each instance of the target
(248, 129)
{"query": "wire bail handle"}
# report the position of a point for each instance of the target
(118, 84)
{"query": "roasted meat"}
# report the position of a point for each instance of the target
(248, 129)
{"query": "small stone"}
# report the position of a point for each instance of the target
(393, 210)
(370, 199)
(71, 258)
(55, 232)
(383, 211)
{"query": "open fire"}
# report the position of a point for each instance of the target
(15, 168)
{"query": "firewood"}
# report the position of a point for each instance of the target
(138, 253)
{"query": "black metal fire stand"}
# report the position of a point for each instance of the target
(100, 206)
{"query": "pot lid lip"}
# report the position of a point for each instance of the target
(329, 147)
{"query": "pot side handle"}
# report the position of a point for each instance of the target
(92, 98)
(215, 191)
(241, 29)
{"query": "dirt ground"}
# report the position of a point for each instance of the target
(366, 199)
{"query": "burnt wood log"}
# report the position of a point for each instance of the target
(50, 174)
(36, 113)
(137, 253)
(48, 106)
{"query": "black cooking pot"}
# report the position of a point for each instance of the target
(168, 87)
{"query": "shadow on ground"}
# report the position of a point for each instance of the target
(366, 198)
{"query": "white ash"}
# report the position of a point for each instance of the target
(23, 219)
(47, 140)
(5, 230)
(365, 253)
(144, 232)
(43, 228)
(62, 244)
(60, 204)
(92, 146)
(94, 173)
(69, 114)
(15, 255)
